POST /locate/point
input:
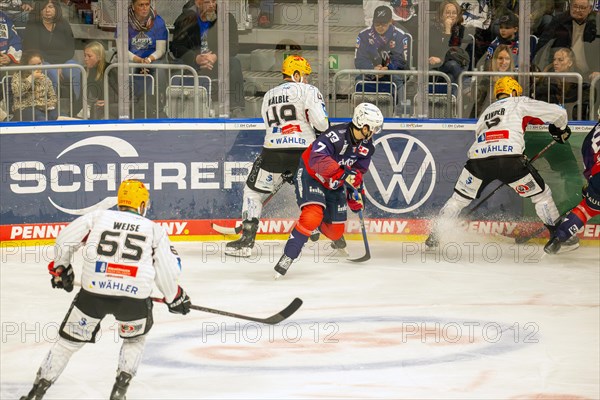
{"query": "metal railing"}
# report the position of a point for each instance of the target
(595, 90)
(463, 80)
(9, 72)
(403, 104)
(159, 86)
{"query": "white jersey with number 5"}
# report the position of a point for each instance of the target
(501, 127)
(123, 254)
(290, 111)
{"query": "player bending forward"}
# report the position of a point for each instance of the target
(291, 112)
(589, 206)
(330, 170)
(125, 253)
(498, 154)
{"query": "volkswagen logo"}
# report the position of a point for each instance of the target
(404, 162)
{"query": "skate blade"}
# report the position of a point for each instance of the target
(431, 249)
(277, 276)
(242, 253)
(339, 253)
(565, 248)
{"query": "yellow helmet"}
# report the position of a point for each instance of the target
(506, 85)
(295, 63)
(133, 194)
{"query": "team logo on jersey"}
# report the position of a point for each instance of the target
(363, 151)
(490, 136)
(392, 44)
(119, 270)
(404, 162)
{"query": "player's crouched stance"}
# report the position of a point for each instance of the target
(498, 154)
(329, 171)
(590, 204)
(125, 254)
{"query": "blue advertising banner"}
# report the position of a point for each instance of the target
(197, 171)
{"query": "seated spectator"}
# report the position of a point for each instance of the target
(34, 98)
(48, 33)
(10, 42)
(195, 43)
(575, 29)
(508, 35)
(382, 47)
(562, 90)
(147, 41)
(16, 10)
(94, 59)
(445, 38)
(502, 61)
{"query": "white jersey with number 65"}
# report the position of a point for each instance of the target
(290, 111)
(123, 254)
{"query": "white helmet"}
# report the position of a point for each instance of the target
(368, 114)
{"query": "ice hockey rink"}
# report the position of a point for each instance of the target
(477, 319)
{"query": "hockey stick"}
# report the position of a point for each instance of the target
(272, 320)
(361, 218)
(527, 238)
(538, 155)
(234, 231)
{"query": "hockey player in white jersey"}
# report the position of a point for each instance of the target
(292, 113)
(498, 154)
(124, 254)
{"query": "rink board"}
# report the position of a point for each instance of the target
(196, 171)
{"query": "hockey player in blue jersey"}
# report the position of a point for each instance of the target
(329, 171)
(589, 206)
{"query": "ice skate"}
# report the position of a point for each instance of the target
(38, 390)
(339, 247)
(432, 241)
(243, 246)
(555, 246)
(315, 235)
(282, 266)
(120, 387)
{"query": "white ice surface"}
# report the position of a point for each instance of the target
(480, 320)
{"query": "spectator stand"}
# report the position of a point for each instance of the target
(187, 93)
(67, 108)
(535, 75)
(441, 100)
(295, 25)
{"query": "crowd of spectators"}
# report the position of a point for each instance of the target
(478, 35)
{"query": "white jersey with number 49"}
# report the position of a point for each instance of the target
(290, 111)
(123, 254)
(501, 127)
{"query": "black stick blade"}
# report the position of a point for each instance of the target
(272, 320)
(285, 313)
(364, 258)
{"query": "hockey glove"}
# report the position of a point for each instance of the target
(62, 277)
(560, 135)
(181, 303)
(352, 177)
(355, 204)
